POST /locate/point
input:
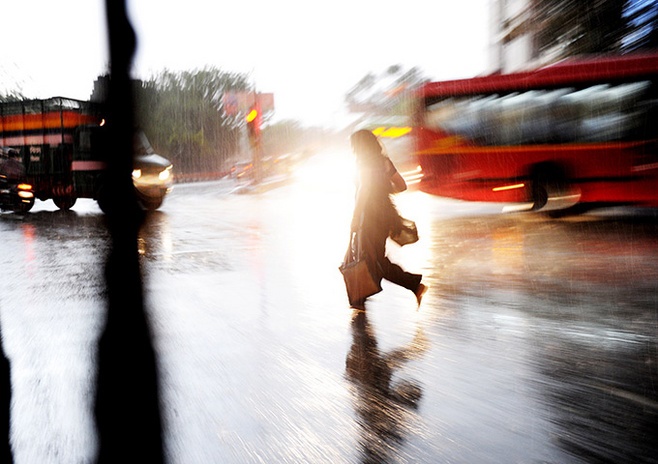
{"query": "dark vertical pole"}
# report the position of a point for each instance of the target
(258, 147)
(5, 407)
(127, 398)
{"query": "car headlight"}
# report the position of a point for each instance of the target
(137, 173)
(164, 175)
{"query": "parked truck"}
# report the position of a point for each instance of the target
(62, 144)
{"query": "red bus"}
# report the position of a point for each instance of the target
(573, 135)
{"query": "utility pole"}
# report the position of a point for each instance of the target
(254, 120)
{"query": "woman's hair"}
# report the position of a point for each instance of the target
(366, 146)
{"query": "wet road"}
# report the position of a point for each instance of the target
(536, 342)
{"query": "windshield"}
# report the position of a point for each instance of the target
(141, 144)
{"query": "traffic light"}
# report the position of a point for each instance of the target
(253, 120)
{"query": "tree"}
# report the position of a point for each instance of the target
(182, 114)
(282, 137)
(574, 27)
(12, 96)
(642, 25)
(290, 137)
(385, 93)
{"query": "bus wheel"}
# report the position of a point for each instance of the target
(551, 189)
(539, 195)
(65, 203)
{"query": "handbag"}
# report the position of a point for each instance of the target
(360, 282)
(407, 233)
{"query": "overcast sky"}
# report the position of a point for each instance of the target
(308, 53)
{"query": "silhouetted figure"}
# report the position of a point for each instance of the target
(11, 166)
(127, 405)
(381, 405)
(375, 215)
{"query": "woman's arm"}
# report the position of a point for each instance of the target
(359, 206)
(397, 181)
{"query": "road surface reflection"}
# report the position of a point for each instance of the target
(536, 342)
(384, 404)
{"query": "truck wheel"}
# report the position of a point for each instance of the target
(24, 207)
(103, 204)
(64, 203)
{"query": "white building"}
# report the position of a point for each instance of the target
(512, 43)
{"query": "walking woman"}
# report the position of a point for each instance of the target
(375, 216)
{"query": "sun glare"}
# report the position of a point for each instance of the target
(321, 201)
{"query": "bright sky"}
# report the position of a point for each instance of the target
(309, 54)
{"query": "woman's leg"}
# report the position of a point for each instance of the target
(394, 273)
(374, 242)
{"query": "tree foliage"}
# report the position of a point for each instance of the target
(182, 114)
(12, 96)
(290, 137)
(282, 137)
(574, 27)
(384, 93)
(642, 25)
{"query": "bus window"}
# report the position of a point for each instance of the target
(462, 117)
(595, 114)
(608, 113)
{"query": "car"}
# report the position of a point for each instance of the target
(242, 170)
(153, 176)
(15, 194)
